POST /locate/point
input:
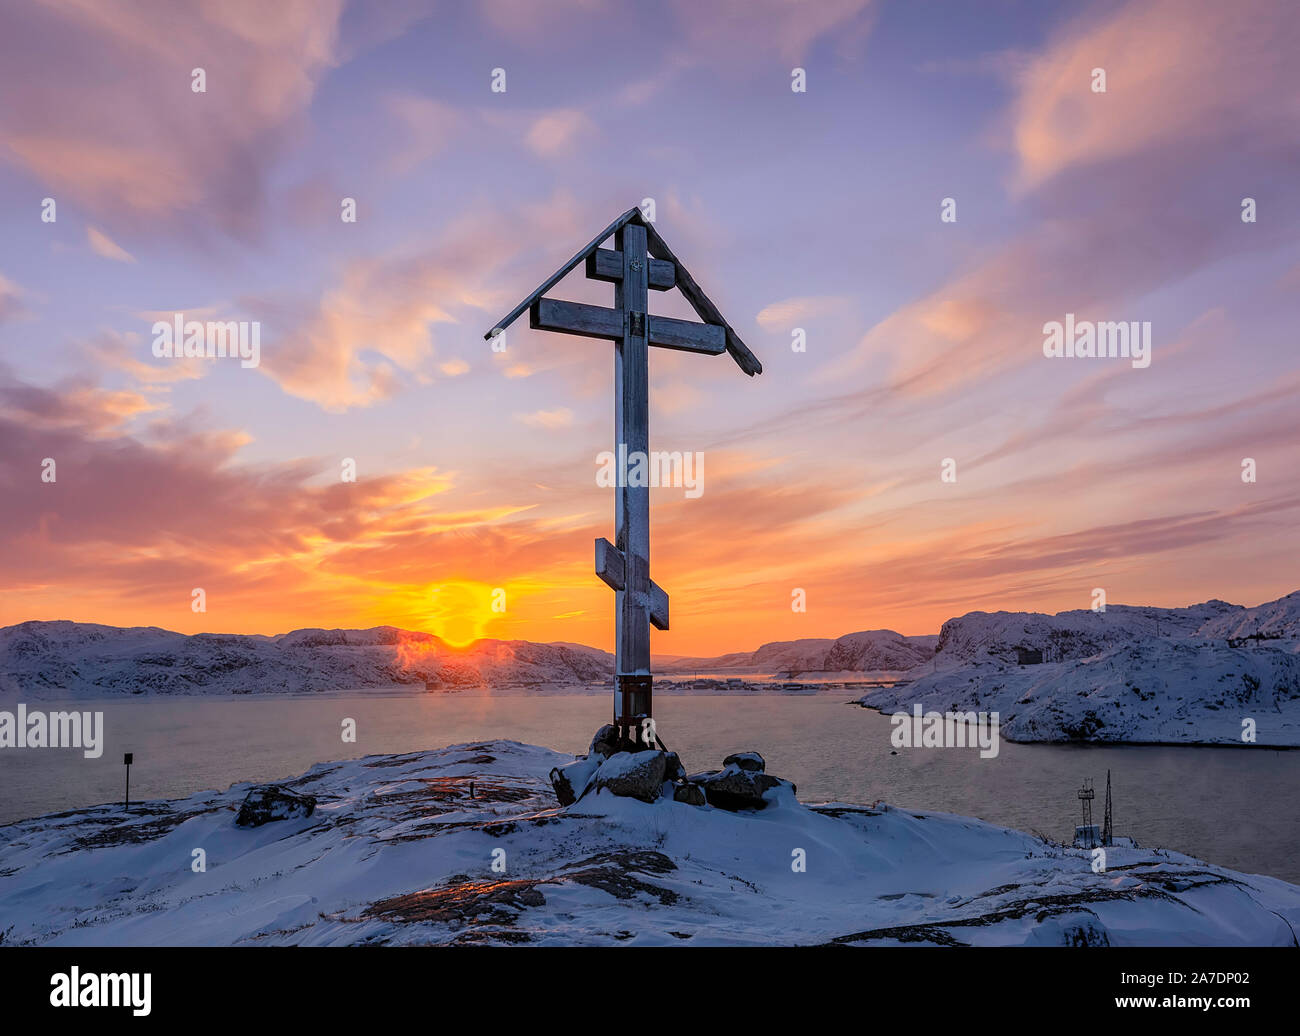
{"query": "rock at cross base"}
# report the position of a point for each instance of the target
(605, 742)
(733, 789)
(638, 775)
(273, 802)
(571, 781)
(650, 775)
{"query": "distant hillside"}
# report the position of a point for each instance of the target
(868, 651)
(1278, 619)
(85, 660)
(70, 659)
(1127, 674)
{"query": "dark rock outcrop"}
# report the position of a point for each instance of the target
(605, 743)
(732, 788)
(273, 802)
(570, 782)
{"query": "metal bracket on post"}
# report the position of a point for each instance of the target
(634, 698)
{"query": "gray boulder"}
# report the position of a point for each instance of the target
(751, 761)
(637, 775)
(691, 794)
(272, 802)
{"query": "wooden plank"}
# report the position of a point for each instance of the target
(687, 335)
(610, 567)
(609, 563)
(700, 302)
(578, 318)
(632, 424)
(604, 264)
(559, 274)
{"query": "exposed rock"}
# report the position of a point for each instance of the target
(638, 775)
(691, 794)
(734, 789)
(1079, 928)
(650, 775)
(273, 802)
(605, 743)
(571, 781)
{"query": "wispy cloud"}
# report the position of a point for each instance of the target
(561, 417)
(105, 246)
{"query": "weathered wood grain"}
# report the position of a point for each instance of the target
(579, 318)
(702, 305)
(632, 424)
(560, 274)
(604, 264)
(610, 567)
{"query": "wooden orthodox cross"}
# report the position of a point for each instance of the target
(639, 261)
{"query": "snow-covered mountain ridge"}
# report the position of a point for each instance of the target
(82, 660)
(1214, 673)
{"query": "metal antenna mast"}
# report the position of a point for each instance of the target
(1086, 795)
(1106, 832)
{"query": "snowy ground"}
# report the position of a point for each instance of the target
(398, 852)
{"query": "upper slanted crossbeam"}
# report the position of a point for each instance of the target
(664, 271)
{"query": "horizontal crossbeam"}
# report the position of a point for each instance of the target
(577, 318)
(611, 565)
(605, 264)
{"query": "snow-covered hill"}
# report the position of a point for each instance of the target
(868, 651)
(400, 850)
(43, 660)
(52, 660)
(1278, 619)
(1171, 675)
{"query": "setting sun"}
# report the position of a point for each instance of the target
(459, 613)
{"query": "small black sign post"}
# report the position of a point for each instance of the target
(128, 758)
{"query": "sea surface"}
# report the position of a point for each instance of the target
(1231, 806)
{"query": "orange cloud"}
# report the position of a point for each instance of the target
(561, 417)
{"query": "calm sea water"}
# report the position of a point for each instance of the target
(1231, 806)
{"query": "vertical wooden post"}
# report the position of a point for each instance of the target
(632, 510)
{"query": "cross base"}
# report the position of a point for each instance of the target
(632, 693)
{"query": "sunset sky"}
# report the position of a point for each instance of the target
(819, 210)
